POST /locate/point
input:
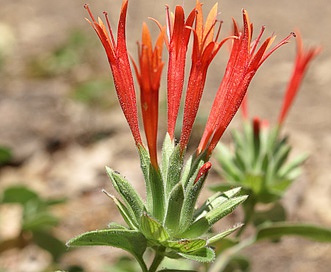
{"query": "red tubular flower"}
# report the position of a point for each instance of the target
(178, 37)
(203, 171)
(150, 64)
(244, 60)
(119, 62)
(256, 127)
(303, 58)
(205, 48)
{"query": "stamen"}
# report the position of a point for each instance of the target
(161, 29)
(218, 30)
(257, 40)
(284, 41)
(86, 6)
(109, 28)
(208, 33)
(168, 22)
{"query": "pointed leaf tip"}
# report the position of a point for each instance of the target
(129, 195)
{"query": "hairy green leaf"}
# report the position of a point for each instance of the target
(127, 192)
(224, 209)
(126, 213)
(192, 192)
(130, 240)
(219, 236)
(155, 183)
(175, 203)
(204, 255)
(215, 200)
(186, 245)
(152, 229)
(175, 168)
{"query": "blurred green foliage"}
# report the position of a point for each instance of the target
(62, 59)
(260, 163)
(96, 93)
(5, 155)
(36, 223)
(66, 61)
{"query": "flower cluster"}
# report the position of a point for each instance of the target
(246, 57)
(260, 162)
(168, 221)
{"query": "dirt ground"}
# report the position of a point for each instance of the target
(52, 136)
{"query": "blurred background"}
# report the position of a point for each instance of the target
(60, 124)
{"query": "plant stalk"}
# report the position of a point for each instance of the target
(221, 263)
(249, 210)
(142, 264)
(159, 256)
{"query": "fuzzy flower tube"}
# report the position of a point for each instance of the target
(168, 220)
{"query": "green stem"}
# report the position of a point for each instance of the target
(159, 256)
(226, 256)
(249, 209)
(142, 264)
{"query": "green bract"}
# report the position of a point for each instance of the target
(168, 221)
